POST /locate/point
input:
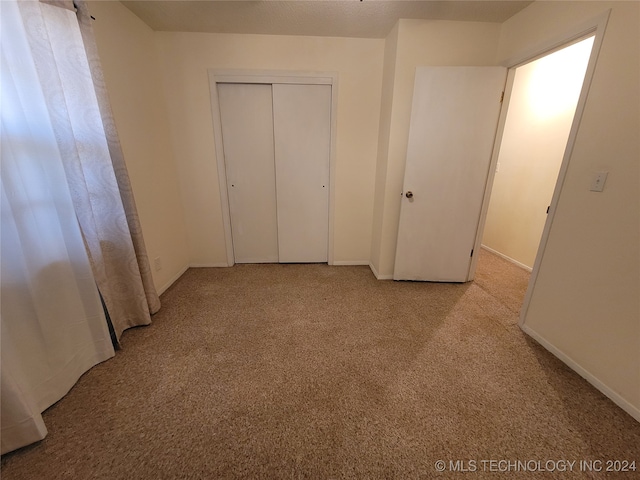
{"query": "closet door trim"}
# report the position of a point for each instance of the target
(269, 77)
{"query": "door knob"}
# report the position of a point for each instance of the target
(409, 194)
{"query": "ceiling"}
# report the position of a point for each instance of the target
(344, 18)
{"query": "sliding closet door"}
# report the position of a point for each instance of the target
(247, 132)
(302, 134)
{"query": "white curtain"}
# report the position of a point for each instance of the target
(127, 284)
(52, 322)
(68, 67)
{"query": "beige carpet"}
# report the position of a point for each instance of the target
(311, 371)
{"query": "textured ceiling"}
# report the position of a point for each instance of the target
(346, 18)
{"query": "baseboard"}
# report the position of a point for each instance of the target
(575, 366)
(377, 275)
(508, 259)
(208, 265)
(164, 288)
(350, 262)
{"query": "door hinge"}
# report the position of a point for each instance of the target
(501, 97)
(471, 253)
(548, 208)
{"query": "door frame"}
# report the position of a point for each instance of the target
(269, 77)
(594, 27)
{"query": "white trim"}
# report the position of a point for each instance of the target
(270, 77)
(173, 279)
(181, 272)
(377, 275)
(584, 373)
(491, 173)
(350, 262)
(597, 26)
(222, 172)
(332, 167)
(558, 42)
(209, 265)
(508, 259)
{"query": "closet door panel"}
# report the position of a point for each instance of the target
(247, 131)
(302, 134)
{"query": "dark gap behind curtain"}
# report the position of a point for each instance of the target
(112, 332)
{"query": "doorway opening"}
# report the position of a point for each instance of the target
(542, 106)
(544, 96)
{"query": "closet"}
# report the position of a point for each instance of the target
(276, 141)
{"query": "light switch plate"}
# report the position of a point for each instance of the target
(598, 180)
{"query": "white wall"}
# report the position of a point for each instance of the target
(127, 51)
(584, 305)
(358, 62)
(541, 108)
(386, 107)
(419, 43)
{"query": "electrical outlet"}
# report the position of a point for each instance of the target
(157, 263)
(598, 180)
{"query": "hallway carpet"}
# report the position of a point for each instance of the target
(313, 371)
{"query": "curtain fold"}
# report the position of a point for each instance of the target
(117, 156)
(106, 212)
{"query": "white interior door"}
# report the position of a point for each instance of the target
(247, 131)
(453, 124)
(302, 133)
